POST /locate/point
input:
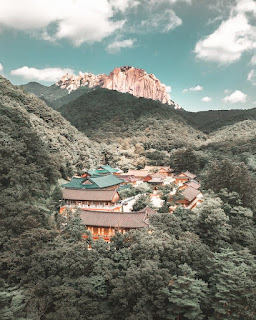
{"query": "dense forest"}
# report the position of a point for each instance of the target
(192, 265)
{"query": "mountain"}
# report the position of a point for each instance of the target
(68, 147)
(237, 138)
(136, 129)
(53, 95)
(209, 121)
(124, 79)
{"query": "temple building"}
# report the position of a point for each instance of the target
(106, 181)
(103, 170)
(104, 224)
(97, 200)
(184, 177)
(189, 198)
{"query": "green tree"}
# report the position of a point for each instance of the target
(186, 295)
(184, 159)
(141, 202)
(213, 224)
(233, 285)
(70, 225)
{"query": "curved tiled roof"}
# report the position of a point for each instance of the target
(94, 182)
(129, 220)
(89, 195)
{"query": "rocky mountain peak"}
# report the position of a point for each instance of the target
(123, 79)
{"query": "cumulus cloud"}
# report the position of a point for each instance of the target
(86, 21)
(226, 91)
(117, 45)
(78, 21)
(47, 74)
(196, 88)
(1, 67)
(235, 97)
(206, 99)
(252, 77)
(232, 38)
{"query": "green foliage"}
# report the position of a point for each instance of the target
(235, 178)
(70, 225)
(69, 148)
(213, 226)
(209, 121)
(136, 130)
(53, 95)
(12, 302)
(183, 160)
(187, 265)
(141, 202)
(186, 295)
(233, 287)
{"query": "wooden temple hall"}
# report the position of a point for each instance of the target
(91, 199)
(104, 224)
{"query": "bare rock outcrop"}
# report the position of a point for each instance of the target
(124, 79)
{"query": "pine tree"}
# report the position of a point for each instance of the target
(186, 295)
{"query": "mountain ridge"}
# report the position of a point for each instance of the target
(125, 79)
(69, 147)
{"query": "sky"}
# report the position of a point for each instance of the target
(204, 51)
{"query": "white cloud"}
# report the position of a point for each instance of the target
(226, 91)
(232, 38)
(117, 45)
(168, 89)
(87, 21)
(78, 21)
(158, 22)
(235, 97)
(252, 77)
(196, 88)
(253, 60)
(123, 5)
(246, 6)
(1, 67)
(47, 74)
(168, 1)
(207, 99)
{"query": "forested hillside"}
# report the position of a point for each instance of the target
(209, 121)
(69, 148)
(134, 130)
(53, 95)
(190, 266)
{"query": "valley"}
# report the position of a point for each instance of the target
(96, 250)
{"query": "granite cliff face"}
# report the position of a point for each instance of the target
(124, 79)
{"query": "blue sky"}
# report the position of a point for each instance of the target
(204, 50)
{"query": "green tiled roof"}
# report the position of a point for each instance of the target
(106, 169)
(96, 172)
(109, 168)
(94, 182)
(106, 181)
(126, 186)
(75, 183)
